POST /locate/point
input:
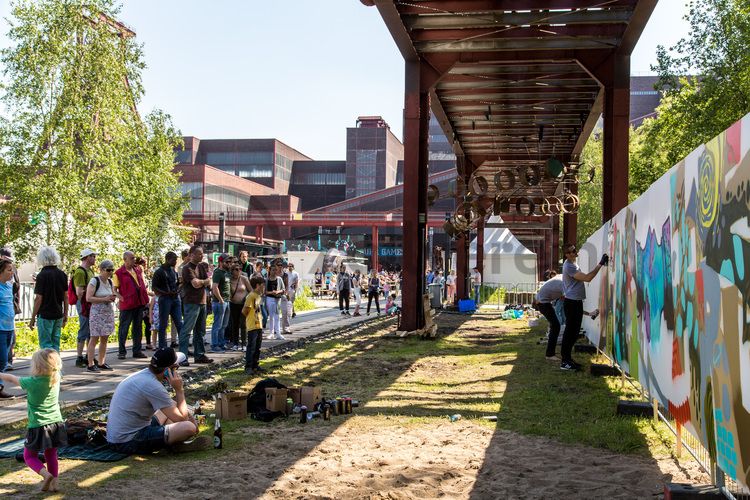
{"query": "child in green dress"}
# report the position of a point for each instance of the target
(46, 428)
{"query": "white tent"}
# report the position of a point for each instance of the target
(506, 260)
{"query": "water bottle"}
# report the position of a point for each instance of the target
(454, 418)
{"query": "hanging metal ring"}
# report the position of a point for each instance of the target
(530, 175)
(478, 185)
(505, 180)
(433, 193)
(551, 205)
(570, 203)
(520, 202)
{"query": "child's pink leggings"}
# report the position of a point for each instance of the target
(50, 455)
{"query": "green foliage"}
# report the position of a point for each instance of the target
(696, 109)
(303, 300)
(79, 166)
(590, 210)
(27, 340)
(494, 295)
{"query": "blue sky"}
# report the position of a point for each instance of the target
(297, 70)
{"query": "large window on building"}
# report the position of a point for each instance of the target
(283, 167)
(365, 171)
(221, 199)
(194, 191)
(320, 178)
(184, 156)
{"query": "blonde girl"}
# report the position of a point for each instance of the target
(46, 428)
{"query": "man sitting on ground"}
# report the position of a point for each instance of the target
(142, 416)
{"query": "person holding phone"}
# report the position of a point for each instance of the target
(143, 418)
(101, 295)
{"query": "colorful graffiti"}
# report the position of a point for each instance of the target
(675, 298)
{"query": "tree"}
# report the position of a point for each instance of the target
(78, 166)
(590, 194)
(697, 108)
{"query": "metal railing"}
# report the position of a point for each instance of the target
(26, 299)
(688, 442)
(506, 293)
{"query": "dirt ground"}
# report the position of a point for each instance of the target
(385, 458)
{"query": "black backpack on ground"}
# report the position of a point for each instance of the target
(256, 400)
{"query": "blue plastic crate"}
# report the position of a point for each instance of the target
(467, 305)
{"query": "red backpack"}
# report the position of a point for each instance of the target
(73, 296)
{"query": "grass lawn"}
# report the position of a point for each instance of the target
(400, 438)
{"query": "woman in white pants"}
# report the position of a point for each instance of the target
(274, 291)
(356, 286)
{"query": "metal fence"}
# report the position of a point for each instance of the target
(26, 299)
(502, 294)
(685, 441)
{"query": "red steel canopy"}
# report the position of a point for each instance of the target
(512, 83)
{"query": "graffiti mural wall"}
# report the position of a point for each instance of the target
(675, 298)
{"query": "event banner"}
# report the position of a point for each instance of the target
(674, 298)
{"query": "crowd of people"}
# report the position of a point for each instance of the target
(178, 294)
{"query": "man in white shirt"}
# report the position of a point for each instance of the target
(293, 286)
(143, 418)
(476, 282)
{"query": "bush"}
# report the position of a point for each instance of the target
(303, 300)
(27, 340)
(493, 294)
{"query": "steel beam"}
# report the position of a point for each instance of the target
(259, 233)
(485, 6)
(493, 17)
(556, 242)
(480, 247)
(616, 136)
(416, 133)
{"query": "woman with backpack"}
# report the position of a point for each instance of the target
(101, 295)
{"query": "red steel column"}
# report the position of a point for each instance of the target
(480, 247)
(259, 234)
(462, 242)
(616, 132)
(375, 250)
(416, 127)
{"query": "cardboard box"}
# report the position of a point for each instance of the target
(231, 405)
(306, 395)
(276, 399)
(309, 396)
(294, 393)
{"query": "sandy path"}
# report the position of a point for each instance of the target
(395, 460)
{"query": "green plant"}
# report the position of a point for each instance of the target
(303, 301)
(493, 294)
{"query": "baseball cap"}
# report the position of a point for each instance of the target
(164, 357)
(86, 252)
(223, 257)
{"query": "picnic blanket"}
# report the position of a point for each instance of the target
(100, 453)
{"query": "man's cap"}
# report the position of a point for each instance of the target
(223, 257)
(164, 357)
(5, 252)
(86, 252)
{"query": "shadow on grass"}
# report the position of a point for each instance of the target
(570, 407)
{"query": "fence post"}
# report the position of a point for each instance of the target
(678, 448)
(655, 403)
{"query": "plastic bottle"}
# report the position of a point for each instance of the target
(303, 415)
(454, 418)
